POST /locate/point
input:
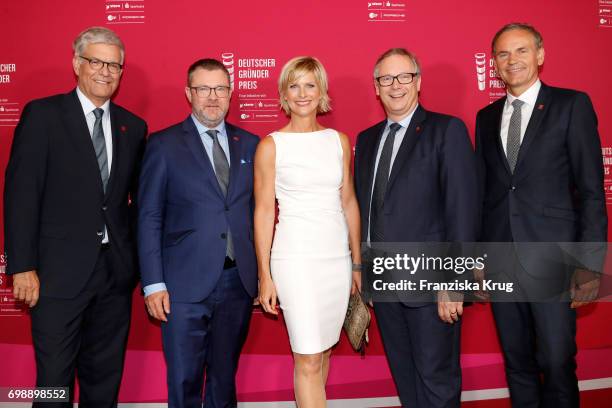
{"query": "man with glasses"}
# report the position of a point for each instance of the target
(68, 219)
(195, 231)
(415, 178)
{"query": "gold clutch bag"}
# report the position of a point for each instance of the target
(356, 322)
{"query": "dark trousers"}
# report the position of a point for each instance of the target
(207, 337)
(86, 334)
(539, 345)
(423, 354)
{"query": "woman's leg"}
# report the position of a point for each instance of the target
(308, 380)
(325, 364)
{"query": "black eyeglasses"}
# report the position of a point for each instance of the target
(97, 65)
(404, 78)
(204, 91)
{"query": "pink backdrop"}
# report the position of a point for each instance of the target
(255, 38)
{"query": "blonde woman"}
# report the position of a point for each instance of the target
(307, 266)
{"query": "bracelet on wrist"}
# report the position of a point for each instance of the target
(357, 267)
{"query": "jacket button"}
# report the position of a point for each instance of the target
(104, 208)
(100, 233)
(223, 235)
(513, 188)
(226, 208)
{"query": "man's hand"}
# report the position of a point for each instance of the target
(450, 306)
(584, 287)
(158, 305)
(267, 296)
(481, 293)
(26, 287)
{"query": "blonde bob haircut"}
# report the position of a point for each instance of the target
(293, 70)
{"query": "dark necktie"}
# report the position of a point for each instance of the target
(222, 171)
(380, 186)
(100, 146)
(513, 144)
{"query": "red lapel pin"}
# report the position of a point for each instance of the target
(123, 128)
(540, 106)
(235, 138)
(418, 128)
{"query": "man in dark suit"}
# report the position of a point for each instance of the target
(72, 170)
(195, 230)
(415, 179)
(541, 170)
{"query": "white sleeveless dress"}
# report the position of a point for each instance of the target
(310, 260)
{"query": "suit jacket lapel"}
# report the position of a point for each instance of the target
(234, 149)
(116, 131)
(415, 128)
(192, 138)
(370, 149)
(496, 127)
(78, 133)
(539, 110)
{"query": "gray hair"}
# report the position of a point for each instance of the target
(537, 37)
(97, 35)
(397, 51)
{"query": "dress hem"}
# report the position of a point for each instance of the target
(319, 351)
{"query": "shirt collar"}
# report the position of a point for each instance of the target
(87, 105)
(406, 121)
(530, 96)
(203, 129)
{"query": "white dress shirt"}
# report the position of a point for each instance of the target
(90, 118)
(208, 142)
(529, 97)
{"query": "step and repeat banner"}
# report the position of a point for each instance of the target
(254, 39)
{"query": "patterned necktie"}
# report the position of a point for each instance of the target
(222, 171)
(220, 162)
(380, 186)
(100, 146)
(513, 144)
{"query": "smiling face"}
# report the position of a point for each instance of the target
(517, 60)
(210, 110)
(399, 100)
(303, 95)
(97, 86)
